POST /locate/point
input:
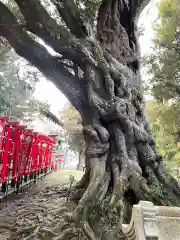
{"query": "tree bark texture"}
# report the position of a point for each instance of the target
(122, 162)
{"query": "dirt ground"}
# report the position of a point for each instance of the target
(36, 214)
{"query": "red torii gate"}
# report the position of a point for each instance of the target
(23, 153)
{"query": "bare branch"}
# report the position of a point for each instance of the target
(38, 55)
(44, 26)
(47, 113)
(70, 13)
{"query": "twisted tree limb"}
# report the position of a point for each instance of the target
(40, 57)
(71, 15)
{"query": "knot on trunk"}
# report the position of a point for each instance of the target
(96, 133)
(116, 111)
(140, 134)
(97, 150)
(98, 139)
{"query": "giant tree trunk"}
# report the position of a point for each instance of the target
(122, 162)
(122, 168)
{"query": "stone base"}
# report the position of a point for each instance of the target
(149, 222)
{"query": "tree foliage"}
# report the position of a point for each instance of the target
(165, 123)
(17, 82)
(164, 63)
(164, 69)
(73, 125)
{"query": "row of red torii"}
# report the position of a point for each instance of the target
(24, 154)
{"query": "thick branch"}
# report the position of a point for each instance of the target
(107, 9)
(45, 27)
(103, 14)
(39, 57)
(70, 13)
(117, 30)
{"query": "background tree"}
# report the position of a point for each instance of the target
(17, 82)
(95, 63)
(164, 63)
(73, 124)
(163, 66)
(164, 122)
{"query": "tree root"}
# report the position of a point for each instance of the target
(115, 231)
(5, 226)
(30, 219)
(58, 211)
(97, 195)
(88, 231)
(98, 174)
(32, 235)
(48, 231)
(24, 230)
(68, 232)
(99, 216)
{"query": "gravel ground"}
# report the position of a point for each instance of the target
(38, 213)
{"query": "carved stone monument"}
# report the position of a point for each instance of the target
(149, 222)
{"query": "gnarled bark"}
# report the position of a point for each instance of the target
(123, 165)
(122, 162)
